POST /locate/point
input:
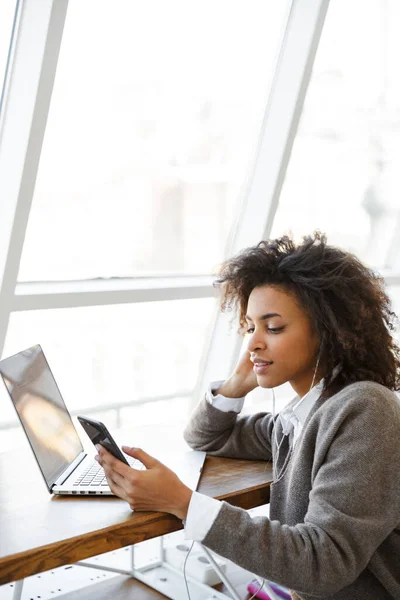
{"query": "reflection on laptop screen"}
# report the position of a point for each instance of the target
(41, 410)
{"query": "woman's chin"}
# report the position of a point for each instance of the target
(268, 382)
(265, 382)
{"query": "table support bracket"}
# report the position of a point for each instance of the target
(18, 589)
(169, 580)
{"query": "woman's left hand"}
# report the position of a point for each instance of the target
(155, 488)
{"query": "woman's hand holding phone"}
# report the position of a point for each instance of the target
(155, 488)
(242, 381)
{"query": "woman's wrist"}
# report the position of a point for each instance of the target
(232, 389)
(181, 510)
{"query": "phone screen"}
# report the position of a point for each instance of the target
(99, 434)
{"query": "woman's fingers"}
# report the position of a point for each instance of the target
(116, 489)
(114, 463)
(119, 485)
(121, 478)
(156, 488)
(149, 461)
(118, 479)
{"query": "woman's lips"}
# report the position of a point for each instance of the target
(260, 367)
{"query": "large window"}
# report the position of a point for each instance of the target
(154, 120)
(343, 177)
(152, 129)
(117, 354)
(107, 359)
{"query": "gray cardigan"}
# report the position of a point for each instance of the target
(334, 526)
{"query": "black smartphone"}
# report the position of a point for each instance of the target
(99, 434)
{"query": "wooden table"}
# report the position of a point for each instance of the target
(39, 532)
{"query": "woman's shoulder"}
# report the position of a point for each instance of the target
(367, 397)
(368, 390)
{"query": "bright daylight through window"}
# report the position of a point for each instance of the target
(343, 176)
(147, 144)
(146, 154)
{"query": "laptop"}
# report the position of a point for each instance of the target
(66, 468)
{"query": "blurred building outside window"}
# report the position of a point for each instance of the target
(343, 175)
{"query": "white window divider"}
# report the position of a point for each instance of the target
(282, 115)
(29, 85)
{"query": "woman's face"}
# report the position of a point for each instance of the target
(282, 344)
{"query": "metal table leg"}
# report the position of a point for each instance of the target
(221, 574)
(18, 589)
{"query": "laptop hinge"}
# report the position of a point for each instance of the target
(65, 474)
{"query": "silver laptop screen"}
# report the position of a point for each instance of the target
(42, 412)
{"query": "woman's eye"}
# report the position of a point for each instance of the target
(271, 329)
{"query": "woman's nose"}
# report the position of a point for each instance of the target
(255, 342)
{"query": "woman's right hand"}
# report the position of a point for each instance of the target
(242, 381)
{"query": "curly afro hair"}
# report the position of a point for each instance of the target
(345, 301)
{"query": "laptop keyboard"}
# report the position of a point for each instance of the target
(94, 475)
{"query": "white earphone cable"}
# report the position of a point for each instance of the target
(259, 590)
(277, 475)
(184, 570)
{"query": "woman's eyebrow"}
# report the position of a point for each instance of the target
(263, 317)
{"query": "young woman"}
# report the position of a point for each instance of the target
(317, 318)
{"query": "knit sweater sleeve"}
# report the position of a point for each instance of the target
(353, 506)
(229, 434)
